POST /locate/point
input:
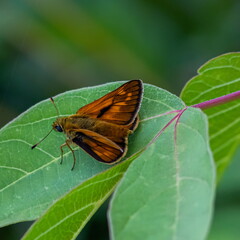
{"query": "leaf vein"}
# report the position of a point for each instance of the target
(14, 168)
(64, 219)
(214, 88)
(223, 111)
(230, 125)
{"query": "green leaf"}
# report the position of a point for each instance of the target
(31, 180)
(168, 192)
(78, 209)
(218, 77)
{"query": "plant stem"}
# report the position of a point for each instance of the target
(218, 101)
(204, 105)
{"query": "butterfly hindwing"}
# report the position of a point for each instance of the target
(120, 106)
(99, 147)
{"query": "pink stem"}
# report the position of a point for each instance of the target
(204, 105)
(175, 127)
(218, 101)
(163, 129)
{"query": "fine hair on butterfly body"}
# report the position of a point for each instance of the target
(102, 127)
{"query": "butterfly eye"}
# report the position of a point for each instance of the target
(58, 128)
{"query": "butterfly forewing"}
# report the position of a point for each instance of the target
(119, 106)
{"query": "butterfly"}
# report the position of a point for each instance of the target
(101, 128)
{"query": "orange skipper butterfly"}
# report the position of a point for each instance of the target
(101, 128)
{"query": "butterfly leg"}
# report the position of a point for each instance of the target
(67, 144)
(61, 148)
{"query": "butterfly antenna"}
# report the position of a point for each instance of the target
(55, 106)
(41, 140)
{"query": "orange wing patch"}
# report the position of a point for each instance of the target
(120, 106)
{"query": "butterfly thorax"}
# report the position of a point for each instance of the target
(71, 124)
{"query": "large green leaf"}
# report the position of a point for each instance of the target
(31, 180)
(168, 192)
(218, 77)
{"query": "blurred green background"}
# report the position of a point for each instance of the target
(48, 47)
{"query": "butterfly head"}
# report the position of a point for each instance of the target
(58, 125)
